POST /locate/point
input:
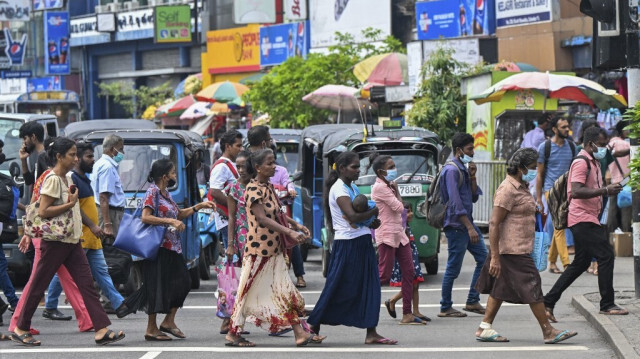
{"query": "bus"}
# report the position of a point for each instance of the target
(63, 104)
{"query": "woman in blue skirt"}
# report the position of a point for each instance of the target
(351, 295)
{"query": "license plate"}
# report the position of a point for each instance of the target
(134, 202)
(410, 190)
(7, 253)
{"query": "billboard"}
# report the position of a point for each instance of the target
(11, 50)
(47, 4)
(172, 23)
(447, 19)
(56, 43)
(510, 13)
(254, 12)
(15, 10)
(347, 16)
(233, 50)
(279, 42)
(295, 10)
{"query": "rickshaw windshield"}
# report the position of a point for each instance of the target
(287, 156)
(10, 135)
(138, 158)
(422, 163)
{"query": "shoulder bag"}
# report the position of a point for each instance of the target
(137, 238)
(57, 228)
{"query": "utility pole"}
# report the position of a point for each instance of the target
(634, 96)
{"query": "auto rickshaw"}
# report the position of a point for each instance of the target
(415, 152)
(142, 148)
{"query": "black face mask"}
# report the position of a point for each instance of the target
(86, 168)
(171, 183)
(3, 158)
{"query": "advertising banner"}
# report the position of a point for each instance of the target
(414, 65)
(517, 12)
(254, 12)
(47, 4)
(347, 16)
(447, 18)
(56, 43)
(233, 50)
(15, 10)
(464, 50)
(295, 10)
(279, 42)
(172, 24)
(133, 25)
(49, 83)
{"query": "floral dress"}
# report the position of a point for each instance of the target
(167, 208)
(236, 191)
(396, 275)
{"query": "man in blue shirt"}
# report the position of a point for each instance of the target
(561, 154)
(535, 137)
(462, 235)
(107, 187)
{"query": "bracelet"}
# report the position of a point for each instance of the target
(108, 224)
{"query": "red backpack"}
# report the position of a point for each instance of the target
(235, 174)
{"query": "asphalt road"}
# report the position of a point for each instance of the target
(442, 338)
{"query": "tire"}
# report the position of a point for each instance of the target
(304, 250)
(204, 264)
(431, 265)
(135, 279)
(195, 277)
(326, 256)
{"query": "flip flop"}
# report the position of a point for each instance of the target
(280, 333)
(561, 337)
(225, 332)
(108, 339)
(452, 313)
(392, 312)
(240, 342)
(491, 336)
(383, 341)
(474, 310)
(156, 338)
(4, 337)
(555, 270)
(423, 317)
(415, 321)
(615, 310)
(176, 332)
(25, 339)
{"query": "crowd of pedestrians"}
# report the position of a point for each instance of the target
(373, 244)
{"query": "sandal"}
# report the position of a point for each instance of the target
(490, 335)
(240, 342)
(176, 332)
(301, 283)
(564, 335)
(415, 321)
(4, 337)
(110, 337)
(452, 313)
(476, 308)
(392, 312)
(157, 338)
(25, 339)
(280, 333)
(423, 317)
(383, 341)
(615, 310)
(554, 270)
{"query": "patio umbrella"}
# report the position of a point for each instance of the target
(222, 92)
(385, 69)
(555, 86)
(179, 106)
(336, 98)
(163, 109)
(197, 110)
(179, 91)
(218, 108)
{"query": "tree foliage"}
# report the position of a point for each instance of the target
(280, 92)
(633, 116)
(135, 100)
(439, 106)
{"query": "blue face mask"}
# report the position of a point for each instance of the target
(530, 175)
(602, 152)
(391, 175)
(535, 123)
(118, 157)
(466, 159)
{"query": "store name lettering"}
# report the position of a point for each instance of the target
(447, 16)
(507, 5)
(251, 39)
(295, 7)
(16, 12)
(171, 19)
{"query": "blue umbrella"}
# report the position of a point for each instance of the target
(179, 91)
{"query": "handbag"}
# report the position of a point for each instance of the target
(137, 238)
(541, 244)
(228, 281)
(287, 241)
(56, 228)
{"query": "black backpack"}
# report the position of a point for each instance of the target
(435, 209)
(9, 197)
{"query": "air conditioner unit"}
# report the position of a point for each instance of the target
(113, 7)
(101, 9)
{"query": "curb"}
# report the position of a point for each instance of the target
(605, 326)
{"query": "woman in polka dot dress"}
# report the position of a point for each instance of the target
(266, 295)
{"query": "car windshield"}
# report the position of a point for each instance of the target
(423, 163)
(10, 134)
(287, 156)
(138, 158)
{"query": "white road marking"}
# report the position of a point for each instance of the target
(150, 355)
(312, 306)
(361, 349)
(383, 291)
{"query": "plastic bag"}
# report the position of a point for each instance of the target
(624, 197)
(228, 280)
(541, 245)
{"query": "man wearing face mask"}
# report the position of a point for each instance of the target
(107, 187)
(460, 191)
(32, 156)
(585, 191)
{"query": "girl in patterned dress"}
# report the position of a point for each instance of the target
(238, 225)
(396, 275)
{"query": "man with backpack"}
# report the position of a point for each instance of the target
(554, 159)
(585, 190)
(459, 190)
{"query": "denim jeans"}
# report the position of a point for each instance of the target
(296, 261)
(100, 273)
(459, 243)
(5, 281)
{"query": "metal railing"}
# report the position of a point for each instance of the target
(489, 176)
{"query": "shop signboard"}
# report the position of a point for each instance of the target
(295, 10)
(254, 12)
(517, 12)
(15, 10)
(233, 50)
(448, 19)
(15, 74)
(133, 25)
(47, 4)
(279, 42)
(464, 50)
(56, 43)
(84, 31)
(347, 16)
(172, 23)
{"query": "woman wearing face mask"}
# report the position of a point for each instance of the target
(392, 241)
(510, 275)
(165, 280)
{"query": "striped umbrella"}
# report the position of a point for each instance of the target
(336, 98)
(385, 69)
(197, 110)
(222, 92)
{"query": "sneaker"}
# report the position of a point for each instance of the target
(55, 314)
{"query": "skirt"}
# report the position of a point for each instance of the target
(165, 284)
(351, 294)
(266, 295)
(519, 281)
(396, 274)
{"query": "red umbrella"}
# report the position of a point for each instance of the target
(181, 105)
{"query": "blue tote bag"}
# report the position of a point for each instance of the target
(541, 245)
(141, 240)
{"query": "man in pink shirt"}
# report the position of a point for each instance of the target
(619, 146)
(585, 191)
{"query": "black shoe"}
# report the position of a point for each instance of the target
(122, 311)
(55, 314)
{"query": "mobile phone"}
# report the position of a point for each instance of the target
(73, 188)
(624, 181)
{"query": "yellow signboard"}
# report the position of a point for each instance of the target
(232, 50)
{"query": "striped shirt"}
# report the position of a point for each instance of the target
(558, 163)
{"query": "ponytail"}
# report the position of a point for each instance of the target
(343, 160)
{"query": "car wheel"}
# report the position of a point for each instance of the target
(431, 265)
(304, 250)
(204, 264)
(195, 277)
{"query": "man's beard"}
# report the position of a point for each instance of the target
(86, 168)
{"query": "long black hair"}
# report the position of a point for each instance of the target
(343, 160)
(160, 168)
(257, 159)
(58, 146)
